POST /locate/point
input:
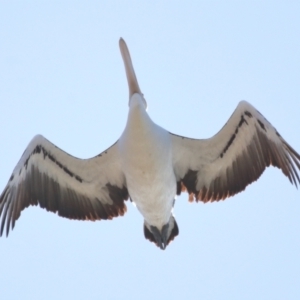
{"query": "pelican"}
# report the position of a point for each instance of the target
(149, 166)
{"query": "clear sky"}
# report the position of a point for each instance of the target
(61, 75)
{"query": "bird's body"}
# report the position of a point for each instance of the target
(150, 166)
(146, 154)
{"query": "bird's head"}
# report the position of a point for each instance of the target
(134, 89)
(161, 237)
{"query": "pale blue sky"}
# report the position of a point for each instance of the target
(61, 75)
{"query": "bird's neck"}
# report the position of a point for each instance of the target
(138, 120)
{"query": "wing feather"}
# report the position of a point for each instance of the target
(82, 189)
(216, 168)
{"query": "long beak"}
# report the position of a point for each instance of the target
(131, 78)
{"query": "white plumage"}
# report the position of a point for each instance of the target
(149, 165)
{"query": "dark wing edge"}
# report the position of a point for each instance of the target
(220, 167)
(91, 189)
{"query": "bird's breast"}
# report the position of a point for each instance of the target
(146, 156)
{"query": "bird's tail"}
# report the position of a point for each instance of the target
(172, 232)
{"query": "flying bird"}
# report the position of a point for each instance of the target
(149, 166)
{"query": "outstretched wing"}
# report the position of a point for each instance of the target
(219, 167)
(82, 189)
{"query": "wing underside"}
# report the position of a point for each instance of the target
(219, 167)
(90, 189)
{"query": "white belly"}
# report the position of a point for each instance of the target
(147, 164)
